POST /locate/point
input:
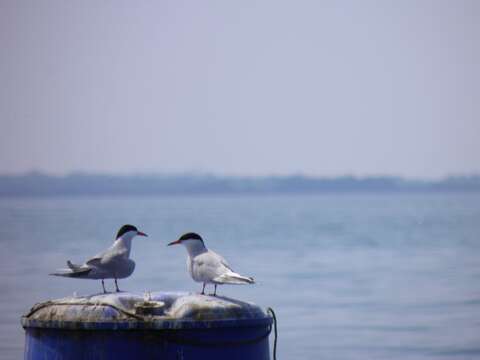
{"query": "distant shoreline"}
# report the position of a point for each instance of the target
(37, 184)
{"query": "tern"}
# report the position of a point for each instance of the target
(113, 263)
(206, 266)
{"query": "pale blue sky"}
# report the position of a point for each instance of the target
(241, 87)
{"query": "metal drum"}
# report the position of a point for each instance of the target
(154, 326)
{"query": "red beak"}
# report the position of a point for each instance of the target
(174, 242)
(139, 233)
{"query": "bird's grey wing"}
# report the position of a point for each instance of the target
(99, 258)
(112, 254)
(95, 260)
(225, 263)
(226, 275)
(221, 260)
(209, 266)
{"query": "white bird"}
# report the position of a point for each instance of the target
(113, 263)
(206, 266)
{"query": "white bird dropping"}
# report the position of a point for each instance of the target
(113, 263)
(206, 266)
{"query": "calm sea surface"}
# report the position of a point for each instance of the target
(350, 276)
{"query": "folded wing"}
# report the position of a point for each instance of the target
(222, 273)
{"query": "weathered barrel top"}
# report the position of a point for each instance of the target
(156, 310)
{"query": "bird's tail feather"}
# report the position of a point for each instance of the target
(72, 271)
(234, 279)
(72, 266)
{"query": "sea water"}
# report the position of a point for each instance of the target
(350, 276)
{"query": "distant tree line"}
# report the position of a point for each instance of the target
(37, 184)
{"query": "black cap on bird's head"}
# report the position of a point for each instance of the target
(127, 228)
(187, 236)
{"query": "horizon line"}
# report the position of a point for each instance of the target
(238, 176)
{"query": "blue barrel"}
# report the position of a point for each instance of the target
(153, 326)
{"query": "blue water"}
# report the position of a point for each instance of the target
(350, 276)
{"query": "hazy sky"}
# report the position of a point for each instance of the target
(241, 87)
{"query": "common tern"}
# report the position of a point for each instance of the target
(206, 266)
(113, 263)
